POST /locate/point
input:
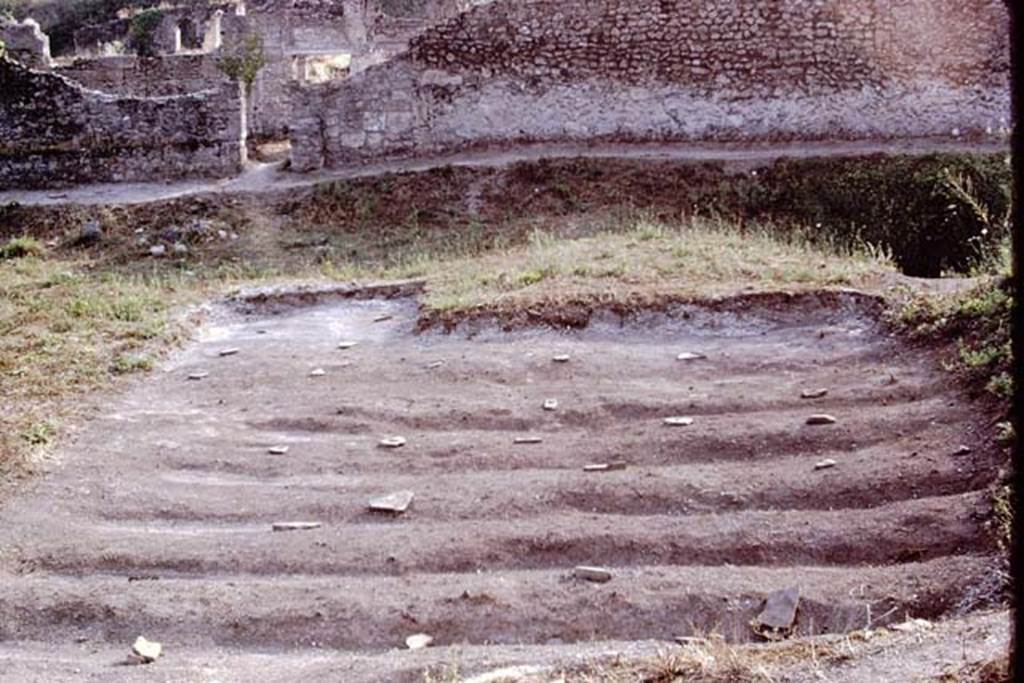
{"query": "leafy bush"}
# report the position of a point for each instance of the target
(978, 321)
(19, 247)
(142, 32)
(935, 214)
(243, 64)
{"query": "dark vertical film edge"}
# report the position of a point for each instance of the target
(1016, 8)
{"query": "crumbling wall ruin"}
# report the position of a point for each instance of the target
(522, 71)
(26, 42)
(368, 32)
(55, 132)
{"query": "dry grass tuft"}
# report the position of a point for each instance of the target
(709, 660)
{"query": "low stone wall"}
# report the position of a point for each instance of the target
(147, 76)
(524, 71)
(54, 132)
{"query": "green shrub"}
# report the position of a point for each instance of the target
(142, 32)
(978, 321)
(19, 247)
(935, 214)
(245, 62)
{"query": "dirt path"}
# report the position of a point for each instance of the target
(269, 177)
(159, 521)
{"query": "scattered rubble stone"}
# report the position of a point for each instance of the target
(678, 421)
(562, 358)
(551, 404)
(593, 574)
(395, 503)
(147, 651)
(229, 352)
(196, 376)
(157, 250)
(814, 393)
(527, 440)
(911, 625)
(384, 317)
(605, 467)
(346, 345)
(91, 233)
(319, 372)
(690, 355)
(963, 450)
(392, 442)
(418, 641)
(820, 420)
(278, 450)
(295, 526)
(776, 620)
(826, 464)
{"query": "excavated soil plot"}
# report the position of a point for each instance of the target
(159, 521)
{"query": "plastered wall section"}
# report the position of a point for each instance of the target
(524, 71)
(54, 132)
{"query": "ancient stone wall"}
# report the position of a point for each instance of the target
(520, 71)
(25, 42)
(55, 132)
(147, 77)
(293, 31)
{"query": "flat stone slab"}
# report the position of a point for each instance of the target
(527, 440)
(779, 614)
(295, 526)
(605, 467)
(691, 355)
(562, 358)
(678, 421)
(826, 464)
(551, 405)
(319, 372)
(228, 352)
(196, 376)
(384, 317)
(811, 394)
(395, 503)
(592, 574)
(346, 345)
(419, 641)
(278, 450)
(821, 420)
(392, 442)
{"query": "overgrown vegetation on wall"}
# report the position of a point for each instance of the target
(244, 63)
(142, 32)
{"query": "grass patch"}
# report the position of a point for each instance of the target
(975, 325)
(646, 259)
(65, 331)
(20, 247)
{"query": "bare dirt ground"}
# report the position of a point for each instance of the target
(264, 177)
(157, 520)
